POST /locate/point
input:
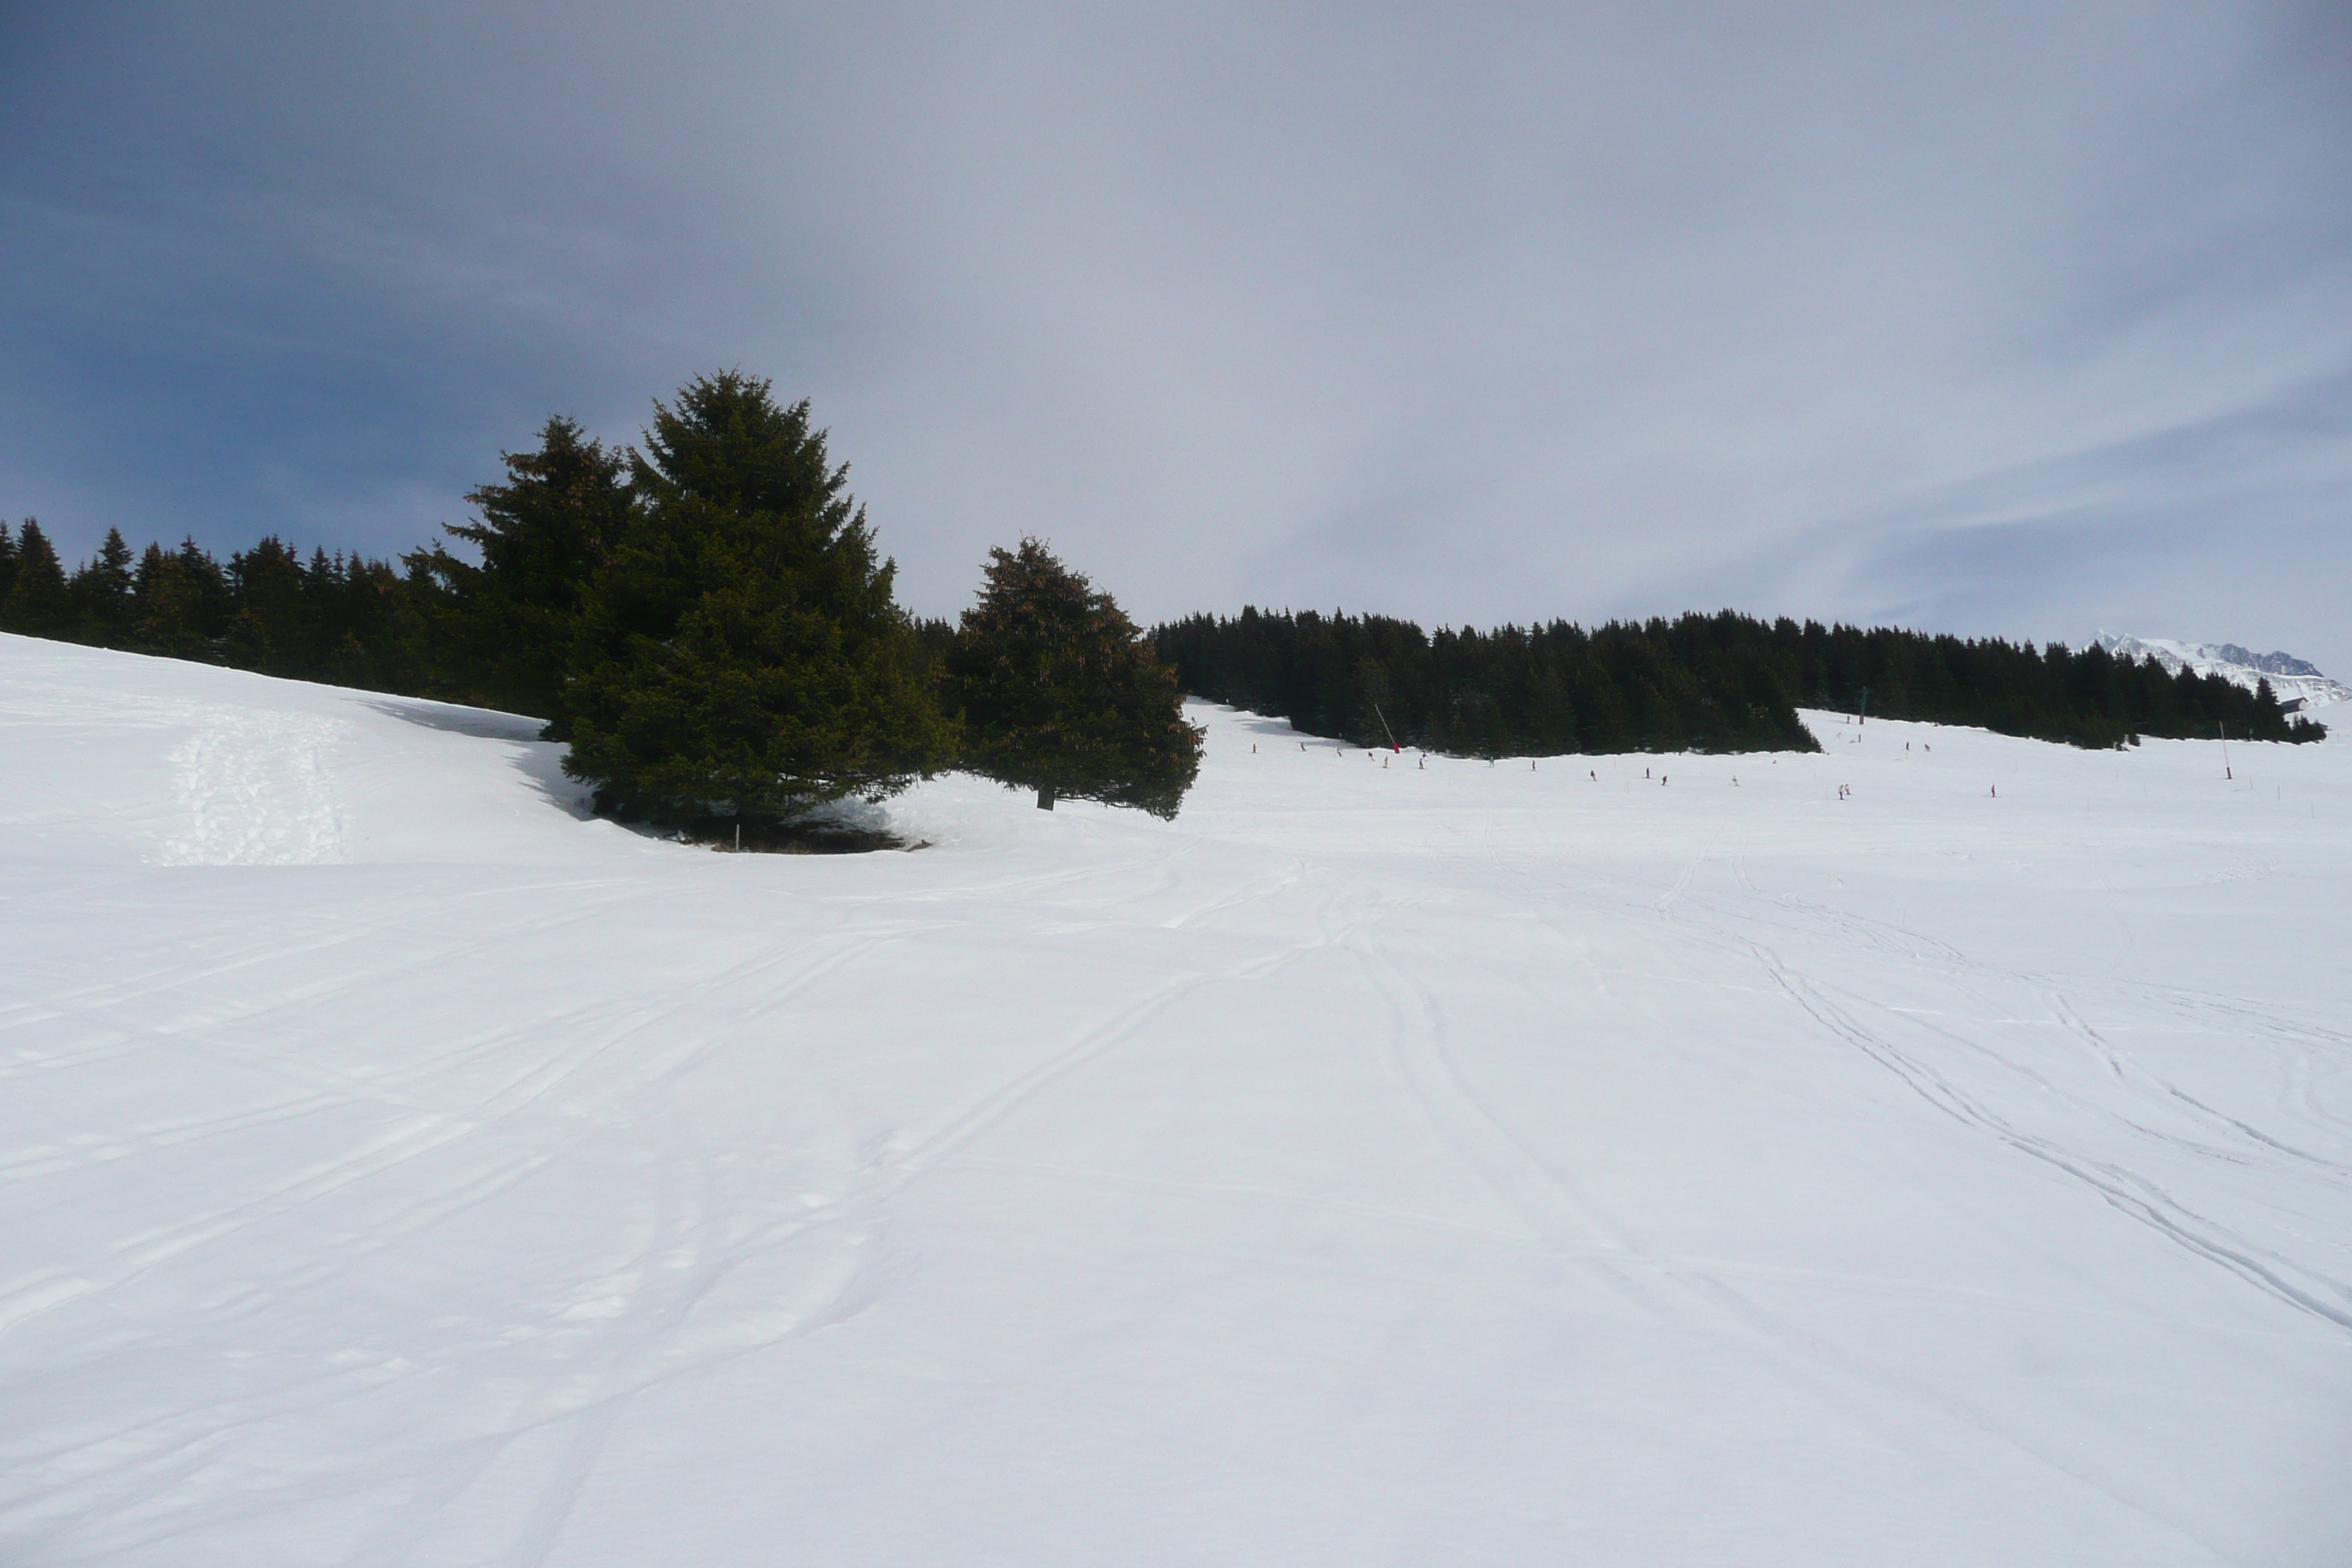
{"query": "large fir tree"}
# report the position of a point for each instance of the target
(739, 650)
(1060, 693)
(502, 632)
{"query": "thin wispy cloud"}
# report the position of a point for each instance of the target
(2001, 318)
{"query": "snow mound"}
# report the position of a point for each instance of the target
(1934, 1150)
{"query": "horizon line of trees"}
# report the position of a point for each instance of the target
(705, 619)
(1724, 682)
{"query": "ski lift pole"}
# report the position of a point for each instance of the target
(2222, 728)
(1864, 716)
(1386, 730)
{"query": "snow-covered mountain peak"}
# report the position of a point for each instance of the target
(2296, 681)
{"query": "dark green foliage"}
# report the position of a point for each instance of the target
(1060, 693)
(710, 626)
(502, 633)
(938, 636)
(1513, 691)
(2088, 698)
(271, 630)
(180, 606)
(1724, 682)
(738, 652)
(101, 593)
(713, 617)
(337, 619)
(40, 604)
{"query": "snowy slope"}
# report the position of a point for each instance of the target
(2294, 679)
(1376, 1165)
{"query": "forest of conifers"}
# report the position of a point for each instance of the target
(1724, 682)
(339, 618)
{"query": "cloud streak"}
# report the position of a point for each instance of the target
(2001, 318)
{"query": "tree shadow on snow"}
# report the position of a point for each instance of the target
(542, 764)
(1257, 725)
(482, 723)
(540, 761)
(844, 828)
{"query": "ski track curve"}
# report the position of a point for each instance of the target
(1673, 1288)
(2307, 1291)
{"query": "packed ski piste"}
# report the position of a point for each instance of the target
(1934, 1150)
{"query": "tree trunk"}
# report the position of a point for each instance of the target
(1045, 798)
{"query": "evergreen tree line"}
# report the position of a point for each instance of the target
(1724, 682)
(341, 618)
(706, 620)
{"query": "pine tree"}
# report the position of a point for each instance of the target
(738, 652)
(270, 628)
(501, 632)
(1060, 693)
(101, 592)
(366, 620)
(8, 562)
(180, 603)
(1373, 699)
(40, 604)
(159, 616)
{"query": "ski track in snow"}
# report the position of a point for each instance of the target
(2328, 1296)
(1566, 1219)
(253, 784)
(256, 789)
(1531, 1167)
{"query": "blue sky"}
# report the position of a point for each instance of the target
(2008, 319)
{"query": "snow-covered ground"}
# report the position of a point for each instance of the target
(1379, 1164)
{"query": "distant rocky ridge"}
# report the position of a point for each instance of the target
(2296, 682)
